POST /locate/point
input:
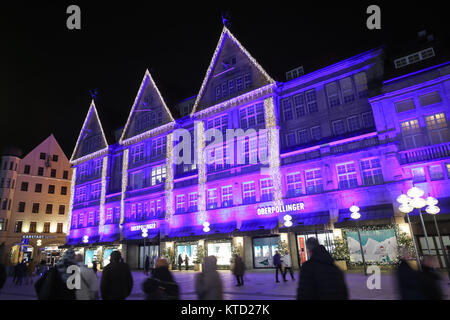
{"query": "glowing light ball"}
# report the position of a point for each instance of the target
(403, 199)
(432, 201)
(415, 192)
(406, 208)
(433, 210)
(354, 208)
(355, 215)
(418, 203)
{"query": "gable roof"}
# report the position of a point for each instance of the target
(226, 34)
(92, 129)
(147, 84)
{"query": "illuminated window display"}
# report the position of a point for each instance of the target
(378, 245)
(325, 238)
(151, 251)
(264, 250)
(189, 249)
(222, 251)
(89, 257)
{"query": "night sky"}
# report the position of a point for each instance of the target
(48, 70)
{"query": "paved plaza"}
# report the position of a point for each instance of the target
(259, 285)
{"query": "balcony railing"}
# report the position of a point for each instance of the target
(425, 153)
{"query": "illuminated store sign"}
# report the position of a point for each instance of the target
(149, 226)
(281, 208)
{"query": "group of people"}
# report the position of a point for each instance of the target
(149, 264)
(27, 269)
(180, 261)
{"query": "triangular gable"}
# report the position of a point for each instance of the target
(48, 145)
(222, 71)
(149, 110)
(92, 138)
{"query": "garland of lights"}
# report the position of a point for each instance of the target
(149, 134)
(141, 88)
(226, 32)
(124, 188)
(169, 178)
(103, 195)
(93, 109)
(72, 193)
(201, 165)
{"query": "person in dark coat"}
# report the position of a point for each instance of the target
(320, 278)
(208, 283)
(117, 281)
(277, 265)
(94, 266)
(146, 265)
(3, 275)
(186, 262)
(239, 270)
(431, 280)
(180, 261)
(20, 271)
(161, 286)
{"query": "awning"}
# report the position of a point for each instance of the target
(258, 224)
(380, 214)
(217, 228)
(319, 218)
(138, 235)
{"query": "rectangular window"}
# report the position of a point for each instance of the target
(361, 84)
(287, 109)
(311, 101)
(81, 219)
(137, 153)
(65, 174)
(83, 171)
(18, 227)
(59, 228)
(212, 198)
(218, 93)
(63, 191)
(429, 98)
(338, 127)
(42, 156)
(353, 123)
(27, 169)
(436, 172)
(224, 90)
(267, 189)
(80, 195)
(40, 171)
(333, 94)
(404, 105)
(231, 88)
(251, 115)
(55, 158)
(294, 184)
(220, 123)
(35, 208)
(346, 173)
(51, 189)
(158, 175)
(109, 215)
(437, 128)
(96, 190)
(239, 85)
(302, 136)
(91, 217)
(159, 146)
(98, 164)
(313, 180)
(290, 139)
(21, 207)
(193, 199)
(62, 209)
(367, 120)
(299, 104)
(49, 209)
(247, 81)
(24, 186)
(316, 133)
(180, 203)
(347, 90)
(46, 227)
(371, 171)
(249, 192)
(418, 175)
(53, 173)
(227, 196)
(32, 227)
(411, 133)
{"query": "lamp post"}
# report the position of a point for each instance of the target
(144, 235)
(355, 216)
(433, 210)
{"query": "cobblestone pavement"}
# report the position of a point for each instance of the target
(259, 285)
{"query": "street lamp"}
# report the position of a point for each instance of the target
(86, 239)
(144, 235)
(206, 227)
(355, 216)
(287, 221)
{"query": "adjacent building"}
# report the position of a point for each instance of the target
(34, 203)
(254, 164)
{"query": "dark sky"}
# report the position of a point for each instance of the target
(48, 70)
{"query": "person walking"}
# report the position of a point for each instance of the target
(88, 281)
(277, 265)
(287, 265)
(20, 272)
(320, 278)
(162, 285)
(180, 261)
(117, 280)
(146, 265)
(94, 266)
(208, 284)
(431, 280)
(186, 262)
(30, 267)
(3, 275)
(239, 270)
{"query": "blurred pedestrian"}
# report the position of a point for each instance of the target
(180, 261)
(408, 277)
(53, 284)
(41, 268)
(20, 272)
(186, 262)
(320, 278)
(208, 283)
(88, 281)
(287, 265)
(162, 285)
(117, 280)
(94, 266)
(431, 279)
(30, 272)
(239, 270)
(146, 265)
(3, 275)
(277, 265)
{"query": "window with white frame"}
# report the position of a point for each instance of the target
(109, 215)
(137, 153)
(404, 105)
(231, 87)
(248, 152)
(98, 164)
(311, 101)
(313, 181)
(287, 109)
(339, 127)
(333, 94)
(367, 120)
(316, 133)
(82, 171)
(263, 147)
(81, 194)
(193, 200)
(353, 123)
(429, 98)
(267, 189)
(159, 206)
(81, 219)
(418, 174)
(361, 84)
(220, 123)
(224, 89)
(217, 158)
(346, 173)
(74, 220)
(158, 174)
(247, 81)
(180, 203)
(137, 181)
(227, 196)
(300, 106)
(302, 136)
(152, 208)
(294, 184)
(96, 190)
(251, 115)
(239, 84)
(371, 171)
(290, 139)
(218, 92)
(437, 128)
(91, 217)
(212, 198)
(447, 165)
(159, 146)
(412, 136)
(436, 172)
(248, 192)
(348, 94)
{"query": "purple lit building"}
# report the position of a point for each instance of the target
(310, 148)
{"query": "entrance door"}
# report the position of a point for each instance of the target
(435, 247)
(325, 238)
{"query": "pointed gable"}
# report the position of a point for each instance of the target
(231, 73)
(92, 137)
(149, 110)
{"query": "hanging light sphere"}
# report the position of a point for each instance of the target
(415, 192)
(355, 215)
(432, 201)
(206, 229)
(354, 208)
(418, 203)
(433, 209)
(86, 239)
(206, 224)
(406, 208)
(287, 217)
(403, 198)
(288, 223)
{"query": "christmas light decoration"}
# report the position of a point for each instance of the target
(147, 76)
(403, 199)
(72, 194)
(415, 192)
(103, 195)
(124, 186)
(206, 227)
(86, 239)
(169, 178)
(418, 203)
(432, 209)
(201, 166)
(287, 220)
(355, 212)
(431, 201)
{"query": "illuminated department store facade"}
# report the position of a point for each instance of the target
(329, 139)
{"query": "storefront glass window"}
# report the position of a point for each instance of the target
(264, 250)
(378, 245)
(222, 251)
(187, 249)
